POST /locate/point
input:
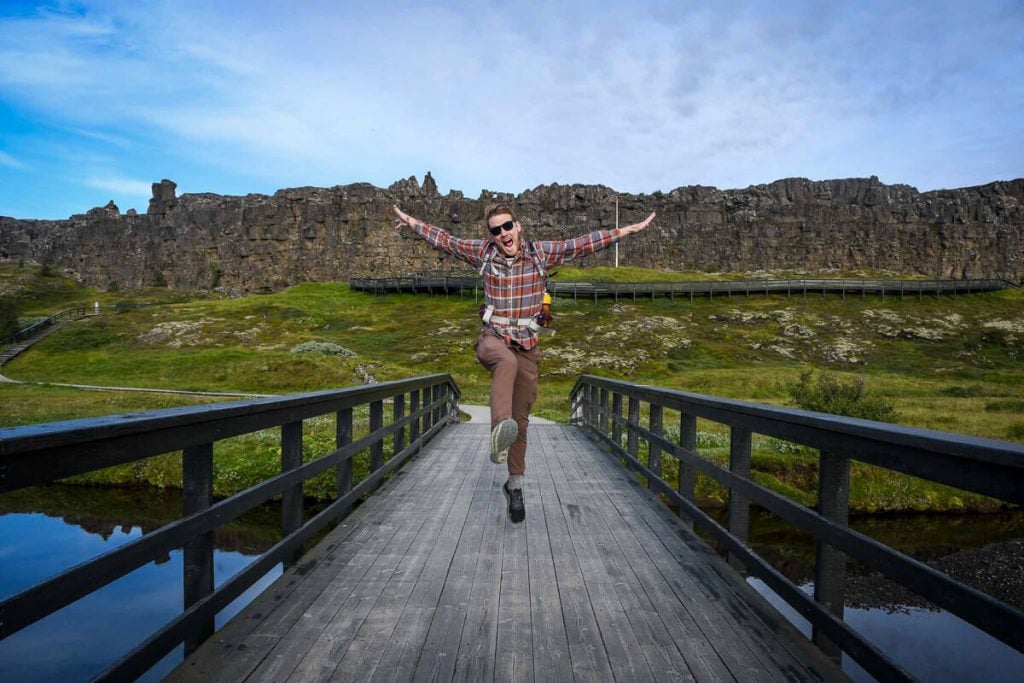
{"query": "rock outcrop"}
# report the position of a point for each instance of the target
(264, 243)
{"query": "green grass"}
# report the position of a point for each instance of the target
(952, 364)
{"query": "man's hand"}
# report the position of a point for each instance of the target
(637, 227)
(403, 218)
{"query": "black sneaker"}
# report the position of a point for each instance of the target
(516, 507)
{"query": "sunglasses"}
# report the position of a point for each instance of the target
(498, 229)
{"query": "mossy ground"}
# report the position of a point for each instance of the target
(952, 364)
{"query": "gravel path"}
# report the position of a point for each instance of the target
(483, 414)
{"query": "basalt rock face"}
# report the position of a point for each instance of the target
(264, 243)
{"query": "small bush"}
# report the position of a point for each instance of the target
(962, 392)
(831, 394)
(1016, 431)
(325, 348)
(1006, 405)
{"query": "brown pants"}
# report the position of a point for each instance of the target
(513, 388)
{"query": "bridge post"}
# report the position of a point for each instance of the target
(739, 506)
(602, 418)
(438, 413)
(632, 442)
(399, 415)
(343, 472)
(291, 503)
(830, 563)
(589, 396)
(197, 495)
(687, 474)
(429, 414)
(654, 450)
(414, 426)
(617, 414)
(376, 422)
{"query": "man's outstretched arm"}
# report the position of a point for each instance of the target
(584, 245)
(470, 251)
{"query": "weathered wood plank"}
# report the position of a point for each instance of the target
(620, 640)
(700, 594)
(478, 645)
(514, 657)
(755, 644)
(672, 641)
(440, 650)
(657, 644)
(401, 654)
(587, 654)
(245, 641)
(347, 607)
(550, 645)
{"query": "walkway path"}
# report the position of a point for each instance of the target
(483, 414)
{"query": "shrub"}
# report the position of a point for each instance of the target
(962, 391)
(325, 348)
(831, 394)
(1007, 405)
(8, 317)
(1016, 431)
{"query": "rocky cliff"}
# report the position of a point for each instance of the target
(264, 243)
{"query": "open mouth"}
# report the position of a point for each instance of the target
(508, 241)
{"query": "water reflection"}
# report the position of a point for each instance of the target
(83, 639)
(931, 643)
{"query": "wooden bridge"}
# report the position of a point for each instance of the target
(860, 287)
(427, 579)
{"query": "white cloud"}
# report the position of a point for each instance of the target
(649, 97)
(120, 186)
(11, 162)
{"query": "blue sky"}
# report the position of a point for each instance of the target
(100, 98)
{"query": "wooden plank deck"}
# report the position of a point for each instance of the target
(429, 580)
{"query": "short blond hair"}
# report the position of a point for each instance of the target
(496, 209)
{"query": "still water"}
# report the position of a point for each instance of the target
(83, 639)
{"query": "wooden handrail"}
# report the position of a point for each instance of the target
(31, 330)
(37, 454)
(986, 466)
(843, 286)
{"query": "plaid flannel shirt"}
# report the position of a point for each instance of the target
(515, 286)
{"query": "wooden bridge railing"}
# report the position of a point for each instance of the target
(40, 325)
(709, 288)
(992, 468)
(40, 454)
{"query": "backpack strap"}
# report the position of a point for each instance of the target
(538, 259)
(489, 252)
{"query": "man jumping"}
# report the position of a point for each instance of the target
(515, 279)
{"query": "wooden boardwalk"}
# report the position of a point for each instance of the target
(428, 580)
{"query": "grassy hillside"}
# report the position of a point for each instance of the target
(951, 363)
